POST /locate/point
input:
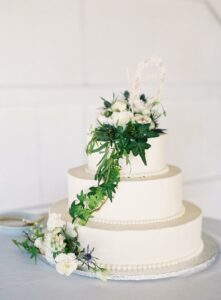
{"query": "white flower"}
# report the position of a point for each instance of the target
(142, 119)
(66, 263)
(53, 243)
(121, 118)
(39, 243)
(119, 105)
(141, 107)
(55, 221)
(71, 230)
(103, 120)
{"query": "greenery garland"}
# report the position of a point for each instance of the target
(114, 143)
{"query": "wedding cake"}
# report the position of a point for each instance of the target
(147, 224)
(125, 212)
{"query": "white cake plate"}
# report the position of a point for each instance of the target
(198, 263)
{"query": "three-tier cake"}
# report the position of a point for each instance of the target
(147, 225)
(125, 217)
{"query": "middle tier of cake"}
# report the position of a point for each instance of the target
(137, 200)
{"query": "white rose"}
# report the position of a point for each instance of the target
(55, 221)
(39, 243)
(119, 105)
(142, 119)
(121, 118)
(66, 263)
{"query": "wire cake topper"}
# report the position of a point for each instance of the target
(136, 85)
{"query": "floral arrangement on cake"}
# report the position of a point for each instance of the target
(123, 127)
(59, 244)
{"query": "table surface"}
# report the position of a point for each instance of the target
(20, 278)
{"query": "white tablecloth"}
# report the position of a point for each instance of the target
(20, 278)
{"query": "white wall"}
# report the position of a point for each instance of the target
(58, 57)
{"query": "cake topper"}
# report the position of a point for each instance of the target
(136, 85)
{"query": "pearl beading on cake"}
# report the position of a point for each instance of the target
(127, 222)
(143, 267)
(146, 175)
(138, 176)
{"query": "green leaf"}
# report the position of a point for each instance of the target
(29, 247)
(138, 148)
(100, 148)
(143, 98)
(81, 197)
(108, 113)
(107, 104)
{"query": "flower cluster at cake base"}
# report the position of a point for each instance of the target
(59, 245)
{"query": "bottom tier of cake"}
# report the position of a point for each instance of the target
(141, 246)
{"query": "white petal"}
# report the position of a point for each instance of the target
(60, 257)
(119, 105)
(66, 267)
(71, 256)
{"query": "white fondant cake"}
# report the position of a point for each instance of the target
(147, 224)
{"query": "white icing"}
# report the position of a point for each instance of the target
(156, 160)
(140, 175)
(99, 220)
(152, 266)
(151, 199)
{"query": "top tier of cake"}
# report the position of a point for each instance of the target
(156, 160)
